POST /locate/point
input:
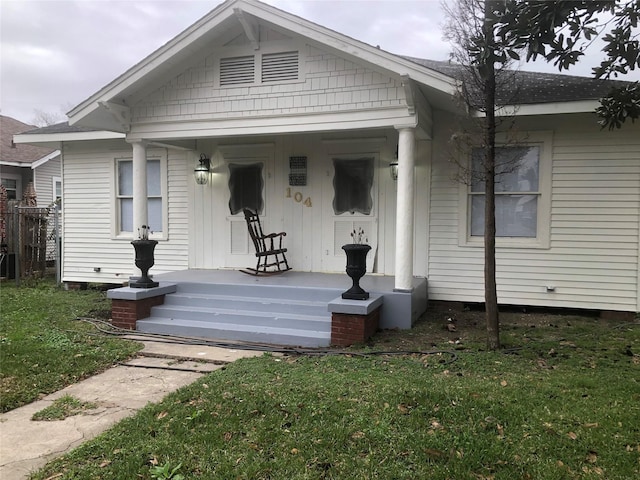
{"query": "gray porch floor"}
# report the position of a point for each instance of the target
(371, 283)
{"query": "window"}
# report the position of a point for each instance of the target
(352, 184)
(245, 187)
(521, 193)
(57, 190)
(259, 69)
(12, 185)
(124, 177)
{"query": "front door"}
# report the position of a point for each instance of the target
(349, 208)
(249, 185)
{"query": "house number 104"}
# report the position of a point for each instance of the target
(297, 197)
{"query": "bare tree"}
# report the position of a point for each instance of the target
(483, 66)
(42, 118)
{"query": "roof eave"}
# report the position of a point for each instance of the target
(56, 138)
(45, 159)
(550, 108)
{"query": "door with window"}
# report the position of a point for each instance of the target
(249, 185)
(349, 208)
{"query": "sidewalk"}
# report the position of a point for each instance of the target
(161, 368)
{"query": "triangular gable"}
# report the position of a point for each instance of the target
(106, 109)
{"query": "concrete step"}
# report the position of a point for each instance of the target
(252, 303)
(273, 292)
(233, 331)
(240, 316)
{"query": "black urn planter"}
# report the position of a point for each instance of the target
(356, 268)
(144, 261)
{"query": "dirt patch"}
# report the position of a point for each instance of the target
(462, 326)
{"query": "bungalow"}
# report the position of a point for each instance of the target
(302, 123)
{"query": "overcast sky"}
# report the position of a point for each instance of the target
(56, 53)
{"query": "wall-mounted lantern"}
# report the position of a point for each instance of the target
(201, 172)
(393, 167)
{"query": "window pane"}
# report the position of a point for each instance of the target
(153, 178)
(516, 215)
(517, 169)
(352, 184)
(125, 178)
(58, 188)
(126, 215)
(11, 185)
(245, 187)
(154, 213)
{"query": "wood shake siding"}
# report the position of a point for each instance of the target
(89, 201)
(593, 259)
(328, 84)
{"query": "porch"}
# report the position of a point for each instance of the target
(285, 309)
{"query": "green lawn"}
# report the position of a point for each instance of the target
(563, 402)
(43, 347)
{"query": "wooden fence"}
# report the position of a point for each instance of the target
(30, 241)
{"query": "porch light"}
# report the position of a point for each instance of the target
(393, 167)
(201, 172)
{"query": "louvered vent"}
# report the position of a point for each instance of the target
(237, 70)
(278, 67)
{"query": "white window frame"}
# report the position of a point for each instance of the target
(116, 233)
(266, 48)
(544, 141)
(55, 181)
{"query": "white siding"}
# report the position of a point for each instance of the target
(329, 84)
(88, 201)
(595, 225)
(43, 181)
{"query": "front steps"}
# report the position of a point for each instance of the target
(269, 314)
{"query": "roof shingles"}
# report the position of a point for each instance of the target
(22, 153)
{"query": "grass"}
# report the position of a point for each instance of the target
(561, 402)
(43, 348)
(63, 407)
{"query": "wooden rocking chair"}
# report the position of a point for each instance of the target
(266, 246)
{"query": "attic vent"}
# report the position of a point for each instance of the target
(237, 70)
(277, 67)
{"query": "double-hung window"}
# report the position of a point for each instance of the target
(522, 191)
(124, 197)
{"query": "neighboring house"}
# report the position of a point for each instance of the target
(22, 164)
(302, 123)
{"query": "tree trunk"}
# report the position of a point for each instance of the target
(490, 290)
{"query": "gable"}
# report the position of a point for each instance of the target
(282, 77)
(108, 109)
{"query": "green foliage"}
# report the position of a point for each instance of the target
(562, 402)
(166, 472)
(63, 407)
(43, 347)
(559, 31)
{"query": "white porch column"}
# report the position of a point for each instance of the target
(140, 215)
(404, 209)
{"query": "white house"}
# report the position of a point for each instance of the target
(302, 123)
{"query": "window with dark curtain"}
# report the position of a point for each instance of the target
(245, 187)
(352, 183)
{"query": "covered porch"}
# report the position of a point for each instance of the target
(287, 309)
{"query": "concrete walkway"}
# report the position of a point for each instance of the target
(161, 368)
